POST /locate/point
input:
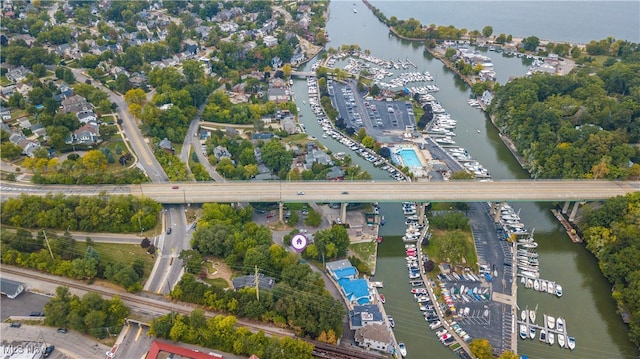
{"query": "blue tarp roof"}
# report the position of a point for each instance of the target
(345, 272)
(355, 290)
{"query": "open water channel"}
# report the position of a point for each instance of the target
(586, 305)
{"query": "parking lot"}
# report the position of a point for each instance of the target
(382, 119)
(23, 305)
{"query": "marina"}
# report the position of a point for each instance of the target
(552, 328)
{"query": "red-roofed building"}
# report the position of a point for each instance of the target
(157, 347)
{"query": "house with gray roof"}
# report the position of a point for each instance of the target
(362, 315)
(221, 152)
(10, 288)
(374, 336)
(317, 156)
(249, 281)
(88, 134)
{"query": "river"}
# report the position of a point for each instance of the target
(586, 304)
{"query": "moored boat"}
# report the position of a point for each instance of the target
(543, 335)
(532, 316)
(571, 342)
(561, 340)
(536, 285)
(552, 338)
(560, 325)
(551, 322)
(382, 299)
(523, 315)
(558, 290)
(403, 349)
(523, 331)
(532, 332)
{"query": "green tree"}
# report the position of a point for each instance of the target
(481, 349)
(487, 31)
(192, 260)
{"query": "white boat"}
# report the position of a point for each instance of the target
(571, 342)
(532, 332)
(552, 338)
(401, 346)
(561, 340)
(551, 322)
(560, 325)
(355, 12)
(523, 315)
(529, 283)
(551, 286)
(543, 335)
(435, 325)
(536, 285)
(524, 333)
(558, 290)
(543, 285)
(532, 315)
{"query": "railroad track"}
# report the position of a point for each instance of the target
(321, 350)
(324, 350)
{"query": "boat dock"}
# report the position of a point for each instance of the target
(546, 327)
(571, 232)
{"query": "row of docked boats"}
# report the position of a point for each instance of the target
(331, 131)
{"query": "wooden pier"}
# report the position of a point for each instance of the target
(575, 238)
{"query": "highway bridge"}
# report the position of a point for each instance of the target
(348, 191)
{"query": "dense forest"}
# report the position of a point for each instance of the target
(612, 234)
(298, 299)
(115, 214)
(583, 125)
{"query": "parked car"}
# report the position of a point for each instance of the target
(15, 325)
(62, 330)
(169, 230)
(48, 351)
(36, 314)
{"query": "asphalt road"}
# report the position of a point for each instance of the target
(351, 191)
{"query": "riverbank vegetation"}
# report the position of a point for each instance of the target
(612, 234)
(298, 299)
(582, 125)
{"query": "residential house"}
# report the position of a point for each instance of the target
(335, 174)
(166, 145)
(270, 41)
(88, 135)
(24, 89)
(249, 281)
(7, 91)
(362, 315)
(28, 146)
(221, 152)
(278, 91)
(276, 62)
(264, 136)
(317, 156)
(18, 74)
(10, 288)
(374, 336)
(86, 116)
(288, 124)
(75, 104)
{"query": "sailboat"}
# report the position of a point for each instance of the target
(532, 315)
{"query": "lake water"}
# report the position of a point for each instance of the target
(568, 21)
(586, 303)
